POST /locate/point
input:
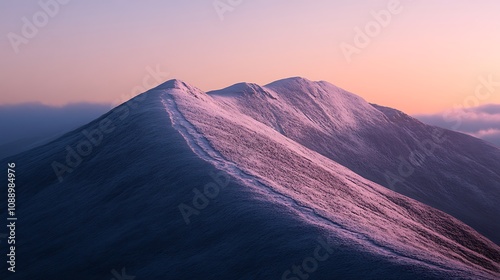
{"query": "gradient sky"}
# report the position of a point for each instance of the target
(427, 59)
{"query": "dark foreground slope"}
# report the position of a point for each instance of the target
(117, 207)
(453, 172)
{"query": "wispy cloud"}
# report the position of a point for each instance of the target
(482, 122)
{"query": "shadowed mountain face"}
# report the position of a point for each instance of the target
(450, 171)
(181, 184)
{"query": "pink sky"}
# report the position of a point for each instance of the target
(427, 58)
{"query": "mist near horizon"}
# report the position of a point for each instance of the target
(30, 124)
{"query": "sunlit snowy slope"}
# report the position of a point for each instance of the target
(450, 171)
(181, 184)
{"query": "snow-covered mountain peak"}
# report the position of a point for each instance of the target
(291, 80)
(244, 89)
(173, 83)
(299, 85)
(325, 103)
(177, 84)
(315, 104)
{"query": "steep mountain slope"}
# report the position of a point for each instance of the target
(262, 206)
(450, 171)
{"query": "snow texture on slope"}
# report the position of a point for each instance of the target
(450, 171)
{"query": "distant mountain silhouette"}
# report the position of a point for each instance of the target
(30, 124)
